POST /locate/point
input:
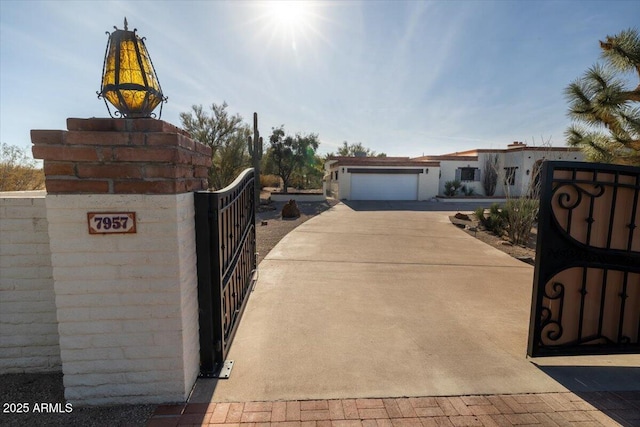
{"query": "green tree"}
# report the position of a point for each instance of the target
(357, 150)
(608, 110)
(289, 154)
(226, 134)
(230, 159)
(18, 171)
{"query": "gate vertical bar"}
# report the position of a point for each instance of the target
(225, 246)
(207, 266)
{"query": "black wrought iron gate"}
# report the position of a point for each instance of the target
(586, 290)
(226, 252)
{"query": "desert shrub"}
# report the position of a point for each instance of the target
(451, 187)
(18, 172)
(269, 181)
(467, 191)
(520, 215)
(495, 221)
(479, 213)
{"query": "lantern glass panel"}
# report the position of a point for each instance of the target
(129, 82)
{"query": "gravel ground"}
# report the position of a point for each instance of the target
(35, 389)
(523, 253)
(267, 236)
(47, 388)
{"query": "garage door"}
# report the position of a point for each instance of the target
(373, 186)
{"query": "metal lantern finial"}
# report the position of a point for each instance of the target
(129, 80)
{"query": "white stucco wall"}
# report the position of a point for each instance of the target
(448, 173)
(525, 160)
(126, 303)
(344, 183)
(28, 325)
(428, 183)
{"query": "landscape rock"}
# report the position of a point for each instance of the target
(290, 210)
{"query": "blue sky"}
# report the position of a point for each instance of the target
(404, 78)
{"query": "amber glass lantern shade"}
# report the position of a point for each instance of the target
(129, 81)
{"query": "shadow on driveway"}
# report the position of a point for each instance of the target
(613, 390)
(371, 205)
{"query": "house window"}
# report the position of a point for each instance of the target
(468, 174)
(510, 175)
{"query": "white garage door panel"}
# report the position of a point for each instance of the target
(368, 186)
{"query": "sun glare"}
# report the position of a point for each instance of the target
(288, 13)
(290, 20)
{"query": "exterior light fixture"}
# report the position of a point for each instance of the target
(129, 81)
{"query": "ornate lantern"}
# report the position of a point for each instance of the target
(129, 81)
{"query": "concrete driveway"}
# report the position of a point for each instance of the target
(391, 300)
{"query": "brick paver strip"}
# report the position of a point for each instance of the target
(406, 408)
(475, 400)
(501, 420)
(458, 403)
(423, 402)
(465, 421)
(346, 423)
(198, 419)
(314, 415)
(336, 412)
(538, 407)
(606, 409)
(199, 408)
(513, 404)
(312, 405)
(429, 412)
(293, 411)
(484, 409)
(384, 423)
(406, 422)
(256, 417)
(519, 419)
(235, 413)
(279, 412)
(258, 406)
(285, 424)
(350, 409)
(487, 421)
(369, 403)
(372, 413)
(446, 406)
(219, 415)
(393, 410)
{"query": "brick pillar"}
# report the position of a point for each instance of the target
(121, 156)
(126, 304)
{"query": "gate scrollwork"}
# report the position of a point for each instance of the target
(586, 296)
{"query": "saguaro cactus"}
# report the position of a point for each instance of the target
(255, 150)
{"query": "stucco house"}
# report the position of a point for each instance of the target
(423, 178)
